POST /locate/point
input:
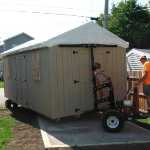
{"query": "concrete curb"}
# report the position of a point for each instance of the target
(44, 134)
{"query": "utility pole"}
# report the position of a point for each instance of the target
(106, 14)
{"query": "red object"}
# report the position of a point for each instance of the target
(100, 91)
(136, 99)
(98, 83)
(127, 111)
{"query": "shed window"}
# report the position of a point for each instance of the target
(35, 66)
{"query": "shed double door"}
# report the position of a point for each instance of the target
(21, 82)
(83, 92)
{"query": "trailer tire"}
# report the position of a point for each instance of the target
(8, 103)
(112, 121)
(15, 105)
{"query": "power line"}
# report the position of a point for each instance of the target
(44, 24)
(51, 7)
(45, 13)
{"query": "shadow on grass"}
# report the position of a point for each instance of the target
(25, 115)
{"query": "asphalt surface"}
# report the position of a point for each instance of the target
(2, 97)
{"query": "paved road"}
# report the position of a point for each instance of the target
(2, 97)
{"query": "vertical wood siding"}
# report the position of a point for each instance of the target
(55, 95)
(83, 74)
(114, 66)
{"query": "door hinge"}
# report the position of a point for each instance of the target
(76, 109)
(74, 52)
(108, 52)
(75, 81)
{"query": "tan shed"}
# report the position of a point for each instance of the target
(54, 77)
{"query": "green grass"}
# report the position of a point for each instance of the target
(147, 121)
(1, 84)
(6, 130)
(2, 107)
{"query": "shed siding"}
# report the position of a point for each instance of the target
(120, 74)
(55, 95)
(114, 66)
(54, 82)
(82, 73)
(40, 91)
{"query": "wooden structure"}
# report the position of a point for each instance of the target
(56, 80)
(133, 77)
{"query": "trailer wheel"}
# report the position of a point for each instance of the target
(7, 103)
(112, 121)
(15, 105)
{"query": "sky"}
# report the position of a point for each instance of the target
(44, 19)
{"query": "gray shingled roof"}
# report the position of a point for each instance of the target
(133, 62)
(144, 50)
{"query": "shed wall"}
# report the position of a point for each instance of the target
(114, 66)
(62, 82)
(55, 95)
(38, 92)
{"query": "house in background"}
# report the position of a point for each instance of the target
(16, 40)
(2, 48)
(13, 42)
(1, 61)
(133, 62)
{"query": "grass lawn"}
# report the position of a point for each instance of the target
(147, 121)
(6, 130)
(2, 107)
(1, 84)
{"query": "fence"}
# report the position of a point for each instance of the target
(133, 77)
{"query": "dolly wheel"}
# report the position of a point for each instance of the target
(7, 103)
(15, 105)
(112, 121)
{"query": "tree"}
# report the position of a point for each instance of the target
(131, 22)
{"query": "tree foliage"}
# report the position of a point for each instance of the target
(131, 22)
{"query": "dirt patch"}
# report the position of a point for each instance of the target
(27, 134)
(4, 113)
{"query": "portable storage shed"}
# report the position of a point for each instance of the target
(54, 77)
